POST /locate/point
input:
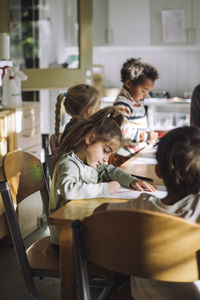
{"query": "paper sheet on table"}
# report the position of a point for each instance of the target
(126, 193)
(144, 161)
(147, 156)
(148, 152)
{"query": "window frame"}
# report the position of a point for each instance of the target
(58, 78)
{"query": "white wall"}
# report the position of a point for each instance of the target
(136, 31)
(179, 67)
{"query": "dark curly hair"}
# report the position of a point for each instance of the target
(137, 70)
(178, 157)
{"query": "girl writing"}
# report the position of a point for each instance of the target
(81, 170)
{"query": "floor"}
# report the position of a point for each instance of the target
(11, 282)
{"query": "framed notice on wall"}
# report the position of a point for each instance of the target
(173, 25)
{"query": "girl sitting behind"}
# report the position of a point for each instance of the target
(80, 101)
(178, 164)
(81, 170)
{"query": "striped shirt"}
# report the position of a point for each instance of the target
(135, 115)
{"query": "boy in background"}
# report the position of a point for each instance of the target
(138, 79)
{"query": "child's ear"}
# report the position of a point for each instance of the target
(128, 84)
(89, 139)
(157, 171)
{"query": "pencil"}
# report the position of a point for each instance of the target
(142, 177)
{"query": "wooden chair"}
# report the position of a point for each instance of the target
(49, 158)
(52, 143)
(49, 167)
(24, 176)
(141, 243)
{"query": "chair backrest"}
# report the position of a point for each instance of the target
(24, 174)
(49, 166)
(53, 143)
(49, 158)
(141, 243)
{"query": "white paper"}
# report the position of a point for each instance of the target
(173, 24)
(125, 193)
(146, 157)
(144, 161)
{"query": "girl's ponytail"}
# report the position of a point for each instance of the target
(108, 112)
(57, 117)
(117, 116)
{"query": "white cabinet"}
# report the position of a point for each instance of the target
(192, 21)
(26, 128)
(139, 22)
(129, 22)
(164, 114)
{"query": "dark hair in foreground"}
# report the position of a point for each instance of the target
(137, 70)
(104, 124)
(178, 157)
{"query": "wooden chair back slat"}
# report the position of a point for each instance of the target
(145, 244)
(24, 174)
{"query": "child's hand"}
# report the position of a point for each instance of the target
(113, 187)
(140, 185)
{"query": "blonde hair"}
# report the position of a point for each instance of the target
(76, 101)
(104, 124)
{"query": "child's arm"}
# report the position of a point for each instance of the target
(75, 182)
(126, 179)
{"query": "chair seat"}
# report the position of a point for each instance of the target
(42, 256)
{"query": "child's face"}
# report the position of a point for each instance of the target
(139, 91)
(98, 153)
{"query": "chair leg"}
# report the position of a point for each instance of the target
(17, 241)
(81, 263)
(112, 286)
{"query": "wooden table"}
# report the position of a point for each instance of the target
(79, 209)
(148, 170)
(63, 217)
